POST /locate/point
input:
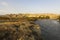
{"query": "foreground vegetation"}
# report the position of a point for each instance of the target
(22, 27)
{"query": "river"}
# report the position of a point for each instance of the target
(50, 29)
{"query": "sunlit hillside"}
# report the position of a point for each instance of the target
(18, 16)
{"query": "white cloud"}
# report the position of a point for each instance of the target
(4, 3)
(2, 11)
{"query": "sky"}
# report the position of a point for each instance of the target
(29, 6)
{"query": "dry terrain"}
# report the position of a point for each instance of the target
(22, 26)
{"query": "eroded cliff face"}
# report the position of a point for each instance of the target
(22, 30)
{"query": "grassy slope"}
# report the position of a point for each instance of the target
(12, 28)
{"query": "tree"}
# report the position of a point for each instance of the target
(58, 18)
(47, 17)
(41, 17)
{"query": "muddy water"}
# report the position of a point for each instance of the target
(50, 29)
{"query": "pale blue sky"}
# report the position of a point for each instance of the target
(33, 6)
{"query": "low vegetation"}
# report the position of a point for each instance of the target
(22, 27)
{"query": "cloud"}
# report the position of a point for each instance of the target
(4, 3)
(2, 11)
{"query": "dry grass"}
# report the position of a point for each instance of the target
(20, 30)
(19, 27)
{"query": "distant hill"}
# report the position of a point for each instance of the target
(29, 15)
(21, 16)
